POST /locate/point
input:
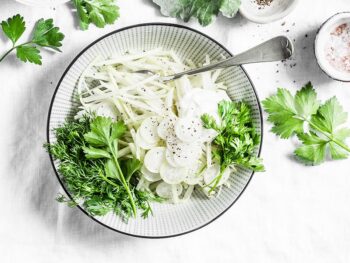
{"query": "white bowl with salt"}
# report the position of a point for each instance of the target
(332, 47)
(266, 11)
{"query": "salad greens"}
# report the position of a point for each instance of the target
(93, 171)
(325, 132)
(98, 12)
(237, 138)
(204, 10)
(45, 35)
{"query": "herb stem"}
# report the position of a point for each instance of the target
(13, 48)
(217, 179)
(330, 137)
(8, 52)
(122, 179)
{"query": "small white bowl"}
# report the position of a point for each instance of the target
(42, 3)
(322, 39)
(269, 13)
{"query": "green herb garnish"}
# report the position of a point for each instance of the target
(237, 139)
(93, 172)
(45, 35)
(98, 12)
(204, 10)
(324, 132)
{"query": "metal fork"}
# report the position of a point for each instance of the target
(275, 49)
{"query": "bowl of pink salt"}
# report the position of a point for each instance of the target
(332, 47)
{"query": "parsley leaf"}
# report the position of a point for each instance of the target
(288, 113)
(237, 139)
(204, 10)
(13, 28)
(45, 34)
(324, 122)
(29, 53)
(98, 12)
(103, 140)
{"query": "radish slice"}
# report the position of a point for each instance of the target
(172, 175)
(166, 126)
(210, 173)
(154, 159)
(193, 177)
(208, 135)
(188, 129)
(165, 190)
(186, 154)
(169, 157)
(148, 130)
(107, 110)
(142, 143)
(149, 176)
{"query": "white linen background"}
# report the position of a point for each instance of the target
(290, 213)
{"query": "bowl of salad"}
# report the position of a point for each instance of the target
(43, 3)
(148, 157)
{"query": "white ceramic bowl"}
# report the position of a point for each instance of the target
(321, 40)
(42, 3)
(169, 219)
(266, 14)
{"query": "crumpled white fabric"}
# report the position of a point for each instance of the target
(291, 213)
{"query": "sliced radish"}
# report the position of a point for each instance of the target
(186, 154)
(208, 135)
(188, 129)
(142, 143)
(166, 126)
(149, 176)
(193, 177)
(165, 190)
(107, 110)
(148, 130)
(172, 175)
(154, 159)
(169, 157)
(211, 173)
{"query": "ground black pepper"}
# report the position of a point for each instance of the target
(263, 2)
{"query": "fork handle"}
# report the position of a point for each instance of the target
(275, 49)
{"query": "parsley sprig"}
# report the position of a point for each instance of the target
(45, 35)
(92, 171)
(324, 131)
(237, 138)
(98, 12)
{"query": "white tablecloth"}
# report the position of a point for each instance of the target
(291, 213)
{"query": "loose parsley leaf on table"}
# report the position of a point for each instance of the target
(98, 12)
(204, 10)
(325, 132)
(237, 138)
(45, 35)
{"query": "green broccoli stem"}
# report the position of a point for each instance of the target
(122, 179)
